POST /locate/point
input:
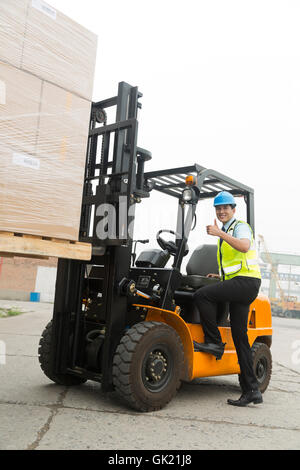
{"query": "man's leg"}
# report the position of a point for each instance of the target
(208, 307)
(206, 299)
(239, 320)
(249, 385)
(239, 312)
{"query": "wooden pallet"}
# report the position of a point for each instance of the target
(32, 246)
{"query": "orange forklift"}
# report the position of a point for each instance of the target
(129, 322)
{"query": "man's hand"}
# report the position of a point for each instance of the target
(216, 276)
(214, 230)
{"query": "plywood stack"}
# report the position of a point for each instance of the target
(47, 64)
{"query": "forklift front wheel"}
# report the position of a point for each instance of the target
(45, 363)
(148, 365)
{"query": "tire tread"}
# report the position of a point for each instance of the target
(122, 362)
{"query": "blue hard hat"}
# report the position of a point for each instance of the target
(224, 197)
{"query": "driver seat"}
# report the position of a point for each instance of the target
(202, 262)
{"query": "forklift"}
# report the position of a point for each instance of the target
(129, 322)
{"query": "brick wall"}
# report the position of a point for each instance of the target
(19, 274)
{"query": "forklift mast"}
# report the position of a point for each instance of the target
(114, 177)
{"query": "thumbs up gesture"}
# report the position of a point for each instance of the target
(214, 229)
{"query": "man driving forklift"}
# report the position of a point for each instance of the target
(240, 275)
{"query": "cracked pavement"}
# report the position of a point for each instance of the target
(37, 414)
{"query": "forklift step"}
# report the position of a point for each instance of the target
(33, 246)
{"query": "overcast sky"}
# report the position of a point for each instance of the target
(221, 86)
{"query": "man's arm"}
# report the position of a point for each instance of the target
(240, 244)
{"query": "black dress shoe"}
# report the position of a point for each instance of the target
(210, 348)
(254, 396)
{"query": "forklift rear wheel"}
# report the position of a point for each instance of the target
(262, 364)
(148, 365)
(44, 359)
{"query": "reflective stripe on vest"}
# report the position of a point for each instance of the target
(235, 263)
(232, 269)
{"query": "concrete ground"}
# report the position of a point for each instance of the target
(37, 414)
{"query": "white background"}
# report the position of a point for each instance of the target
(221, 86)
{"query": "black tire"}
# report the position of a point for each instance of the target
(148, 366)
(262, 365)
(44, 359)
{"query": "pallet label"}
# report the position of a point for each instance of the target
(28, 161)
(2, 92)
(44, 8)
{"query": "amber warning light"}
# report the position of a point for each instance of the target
(190, 180)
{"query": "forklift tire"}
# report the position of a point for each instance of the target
(262, 364)
(148, 366)
(44, 359)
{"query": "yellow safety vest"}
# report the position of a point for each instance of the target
(235, 263)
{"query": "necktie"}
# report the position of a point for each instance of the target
(221, 241)
(223, 230)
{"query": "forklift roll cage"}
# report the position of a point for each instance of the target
(90, 294)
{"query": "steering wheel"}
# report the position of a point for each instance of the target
(169, 245)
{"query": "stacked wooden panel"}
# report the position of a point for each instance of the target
(47, 64)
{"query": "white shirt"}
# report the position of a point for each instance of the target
(241, 230)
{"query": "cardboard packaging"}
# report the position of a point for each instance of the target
(42, 164)
(13, 14)
(20, 97)
(47, 66)
(59, 50)
(39, 39)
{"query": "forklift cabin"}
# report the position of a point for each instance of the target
(130, 323)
